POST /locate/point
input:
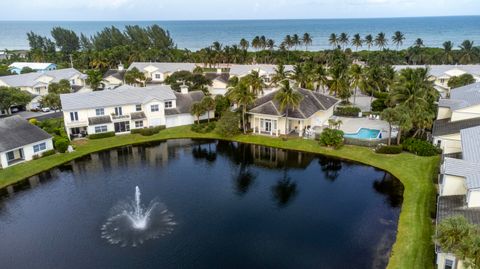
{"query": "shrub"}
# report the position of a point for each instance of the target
(48, 153)
(101, 135)
(385, 149)
(378, 105)
(420, 147)
(380, 95)
(33, 121)
(331, 138)
(148, 131)
(61, 144)
(228, 125)
(349, 111)
(203, 128)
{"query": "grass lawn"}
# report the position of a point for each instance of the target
(413, 247)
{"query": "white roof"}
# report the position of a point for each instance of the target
(34, 66)
(163, 67)
(123, 95)
(445, 71)
(462, 97)
(245, 69)
(32, 79)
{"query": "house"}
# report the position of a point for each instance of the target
(17, 67)
(266, 116)
(158, 72)
(113, 78)
(219, 83)
(459, 182)
(441, 74)
(20, 141)
(37, 83)
(126, 108)
(460, 111)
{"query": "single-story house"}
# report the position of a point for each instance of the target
(17, 67)
(266, 116)
(20, 141)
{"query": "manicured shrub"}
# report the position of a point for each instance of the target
(203, 128)
(331, 138)
(148, 131)
(228, 125)
(378, 105)
(385, 149)
(348, 111)
(101, 135)
(33, 121)
(48, 153)
(61, 144)
(420, 147)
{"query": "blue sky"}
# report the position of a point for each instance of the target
(228, 9)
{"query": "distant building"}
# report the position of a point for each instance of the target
(37, 67)
(158, 72)
(113, 78)
(20, 141)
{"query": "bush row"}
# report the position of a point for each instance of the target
(203, 128)
(349, 111)
(331, 138)
(101, 135)
(385, 149)
(420, 147)
(44, 154)
(148, 131)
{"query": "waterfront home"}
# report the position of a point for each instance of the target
(37, 83)
(128, 107)
(158, 72)
(459, 182)
(20, 141)
(441, 74)
(460, 111)
(113, 78)
(266, 116)
(17, 67)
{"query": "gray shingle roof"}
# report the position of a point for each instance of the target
(31, 79)
(463, 168)
(245, 69)
(311, 103)
(123, 95)
(184, 102)
(99, 120)
(164, 67)
(471, 144)
(118, 74)
(223, 77)
(446, 127)
(449, 206)
(16, 132)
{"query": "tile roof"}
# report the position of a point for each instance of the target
(184, 102)
(449, 206)
(31, 79)
(164, 67)
(16, 132)
(123, 95)
(311, 103)
(446, 127)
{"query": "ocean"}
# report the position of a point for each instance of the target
(194, 35)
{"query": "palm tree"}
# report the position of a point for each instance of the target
(197, 110)
(288, 44)
(321, 77)
(391, 116)
(299, 75)
(256, 42)
(357, 41)
(343, 39)
(369, 41)
(94, 79)
(398, 38)
(280, 75)
(270, 45)
(244, 44)
(356, 74)
(243, 97)
(381, 41)
(418, 43)
(296, 41)
(255, 82)
(467, 52)
(208, 104)
(333, 40)
(263, 42)
(288, 98)
(307, 40)
(451, 234)
(447, 52)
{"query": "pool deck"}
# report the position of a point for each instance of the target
(352, 125)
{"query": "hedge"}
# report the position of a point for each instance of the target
(385, 149)
(148, 131)
(61, 144)
(420, 147)
(203, 128)
(101, 135)
(331, 138)
(349, 111)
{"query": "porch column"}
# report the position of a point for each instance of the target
(300, 133)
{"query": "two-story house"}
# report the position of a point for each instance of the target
(127, 108)
(158, 72)
(266, 71)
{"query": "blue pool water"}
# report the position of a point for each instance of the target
(364, 133)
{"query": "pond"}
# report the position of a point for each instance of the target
(210, 204)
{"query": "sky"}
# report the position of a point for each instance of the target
(229, 9)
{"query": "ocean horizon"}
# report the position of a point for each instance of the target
(197, 34)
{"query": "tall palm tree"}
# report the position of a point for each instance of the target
(398, 38)
(197, 110)
(208, 104)
(288, 44)
(296, 41)
(451, 234)
(369, 41)
(270, 44)
(279, 75)
(299, 75)
(255, 81)
(333, 40)
(288, 98)
(244, 44)
(256, 42)
(418, 43)
(356, 75)
(381, 40)
(447, 52)
(307, 40)
(243, 97)
(391, 116)
(263, 42)
(321, 77)
(343, 39)
(357, 41)
(467, 52)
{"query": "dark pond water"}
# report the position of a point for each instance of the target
(233, 205)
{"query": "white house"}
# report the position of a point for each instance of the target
(266, 116)
(126, 108)
(17, 67)
(158, 72)
(113, 78)
(37, 83)
(460, 111)
(460, 189)
(219, 83)
(20, 141)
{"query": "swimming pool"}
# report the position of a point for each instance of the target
(364, 133)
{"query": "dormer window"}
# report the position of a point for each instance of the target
(168, 104)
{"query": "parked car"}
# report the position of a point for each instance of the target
(14, 110)
(45, 109)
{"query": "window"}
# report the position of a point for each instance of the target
(74, 116)
(39, 147)
(158, 76)
(168, 104)
(448, 264)
(10, 156)
(138, 124)
(154, 108)
(138, 108)
(101, 129)
(72, 82)
(118, 111)
(100, 111)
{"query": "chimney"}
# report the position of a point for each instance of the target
(184, 89)
(120, 67)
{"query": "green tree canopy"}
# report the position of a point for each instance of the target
(460, 81)
(13, 96)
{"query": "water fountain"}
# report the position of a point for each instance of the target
(130, 223)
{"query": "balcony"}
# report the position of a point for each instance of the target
(120, 117)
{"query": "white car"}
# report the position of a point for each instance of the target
(45, 109)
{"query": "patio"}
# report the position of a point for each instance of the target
(352, 125)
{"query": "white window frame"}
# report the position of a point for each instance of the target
(168, 104)
(118, 111)
(158, 76)
(138, 108)
(39, 147)
(154, 108)
(101, 129)
(74, 116)
(139, 124)
(101, 110)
